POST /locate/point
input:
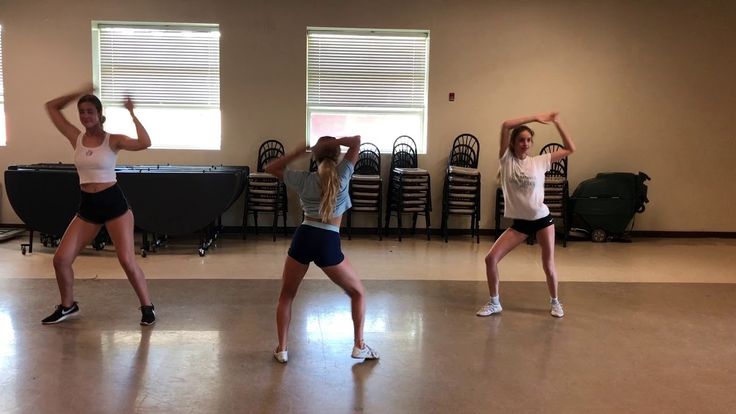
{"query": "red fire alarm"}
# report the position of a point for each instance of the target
(452, 96)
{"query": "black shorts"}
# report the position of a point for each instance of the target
(103, 206)
(530, 227)
(314, 244)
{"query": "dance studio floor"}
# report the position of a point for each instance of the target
(649, 327)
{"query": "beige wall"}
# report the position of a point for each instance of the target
(647, 86)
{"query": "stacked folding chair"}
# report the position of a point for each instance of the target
(410, 186)
(366, 186)
(556, 190)
(461, 190)
(264, 192)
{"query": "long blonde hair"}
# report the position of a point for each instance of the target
(328, 179)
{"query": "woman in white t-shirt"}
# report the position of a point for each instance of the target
(522, 180)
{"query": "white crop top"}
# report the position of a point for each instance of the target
(95, 164)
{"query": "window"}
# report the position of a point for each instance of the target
(367, 82)
(2, 94)
(171, 71)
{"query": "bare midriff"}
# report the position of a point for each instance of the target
(95, 187)
(335, 221)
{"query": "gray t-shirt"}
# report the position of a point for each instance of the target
(307, 185)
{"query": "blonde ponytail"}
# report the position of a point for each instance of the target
(330, 184)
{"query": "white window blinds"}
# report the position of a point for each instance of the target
(164, 66)
(2, 94)
(367, 69)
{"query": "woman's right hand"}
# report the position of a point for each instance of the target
(545, 117)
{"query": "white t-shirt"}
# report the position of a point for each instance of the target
(523, 185)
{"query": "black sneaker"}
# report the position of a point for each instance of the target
(60, 314)
(148, 316)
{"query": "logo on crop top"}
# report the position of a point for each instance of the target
(89, 153)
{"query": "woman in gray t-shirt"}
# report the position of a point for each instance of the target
(324, 198)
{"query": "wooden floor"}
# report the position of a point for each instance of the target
(649, 327)
(644, 260)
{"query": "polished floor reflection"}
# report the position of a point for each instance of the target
(622, 347)
(644, 260)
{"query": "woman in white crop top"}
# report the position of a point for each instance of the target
(522, 180)
(102, 201)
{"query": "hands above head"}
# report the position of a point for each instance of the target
(87, 89)
(128, 104)
(546, 117)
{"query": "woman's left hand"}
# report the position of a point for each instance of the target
(128, 104)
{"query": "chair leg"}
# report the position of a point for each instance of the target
(426, 222)
(378, 224)
(444, 225)
(245, 216)
(350, 224)
(388, 219)
(477, 227)
(398, 218)
(245, 220)
(275, 223)
(255, 220)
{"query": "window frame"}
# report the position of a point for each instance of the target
(372, 110)
(141, 107)
(3, 129)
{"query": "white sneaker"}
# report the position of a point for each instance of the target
(556, 310)
(489, 309)
(364, 353)
(282, 356)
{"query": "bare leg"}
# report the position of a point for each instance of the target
(121, 233)
(291, 279)
(546, 238)
(79, 234)
(344, 276)
(505, 243)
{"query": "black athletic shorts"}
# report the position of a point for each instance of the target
(530, 227)
(314, 244)
(103, 206)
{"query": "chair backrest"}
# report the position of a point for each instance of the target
(465, 151)
(559, 168)
(269, 151)
(369, 160)
(404, 154)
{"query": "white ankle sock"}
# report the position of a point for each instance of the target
(494, 300)
(554, 301)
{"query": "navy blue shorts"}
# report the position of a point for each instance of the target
(103, 206)
(313, 244)
(530, 227)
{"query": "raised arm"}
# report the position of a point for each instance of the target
(54, 107)
(353, 144)
(568, 145)
(127, 143)
(277, 166)
(510, 124)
